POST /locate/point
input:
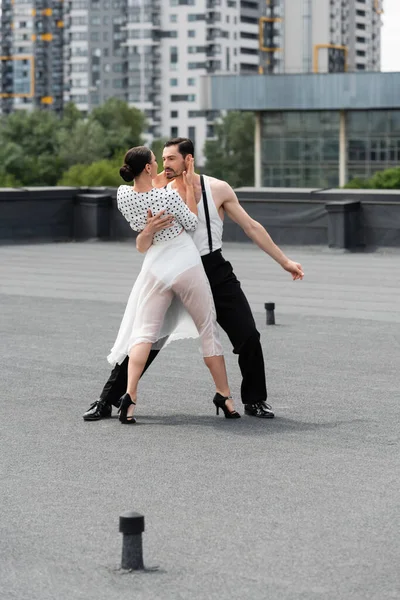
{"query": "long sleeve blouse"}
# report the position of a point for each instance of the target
(134, 207)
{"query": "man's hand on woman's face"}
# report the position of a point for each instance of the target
(158, 222)
(188, 174)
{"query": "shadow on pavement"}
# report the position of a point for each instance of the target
(244, 426)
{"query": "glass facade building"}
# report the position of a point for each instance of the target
(373, 142)
(301, 148)
(315, 130)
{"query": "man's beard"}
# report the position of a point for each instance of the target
(172, 174)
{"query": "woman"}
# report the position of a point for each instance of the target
(171, 280)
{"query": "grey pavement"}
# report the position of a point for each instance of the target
(305, 506)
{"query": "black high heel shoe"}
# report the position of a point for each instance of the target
(126, 402)
(219, 402)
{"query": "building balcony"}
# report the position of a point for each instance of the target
(213, 17)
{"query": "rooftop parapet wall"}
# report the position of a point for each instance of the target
(351, 219)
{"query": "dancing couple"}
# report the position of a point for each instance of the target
(185, 285)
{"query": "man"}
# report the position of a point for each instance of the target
(215, 198)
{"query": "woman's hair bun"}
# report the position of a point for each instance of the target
(126, 173)
(135, 162)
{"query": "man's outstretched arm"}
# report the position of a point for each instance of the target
(256, 232)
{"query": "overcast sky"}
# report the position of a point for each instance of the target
(391, 36)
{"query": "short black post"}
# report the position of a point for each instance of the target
(270, 307)
(131, 525)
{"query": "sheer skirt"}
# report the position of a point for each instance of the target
(170, 300)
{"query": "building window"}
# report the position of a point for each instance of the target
(174, 114)
(173, 82)
(174, 132)
(360, 67)
(173, 55)
(192, 114)
(191, 33)
(191, 81)
(79, 98)
(173, 18)
(293, 141)
(183, 98)
(196, 49)
(192, 134)
(167, 34)
(78, 20)
(360, 13)
(360, 53)
(78, 36)
(197, 65)
(360, 40)
(200, 17)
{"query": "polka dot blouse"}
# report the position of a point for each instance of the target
(134, 207)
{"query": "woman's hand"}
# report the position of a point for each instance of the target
(158, 222)
(188, 175)
(155, 223)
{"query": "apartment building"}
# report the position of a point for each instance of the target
(153, 53)
(172, 44)
(32, 35)
(325, 36)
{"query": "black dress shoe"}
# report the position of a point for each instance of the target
(261, 410)
(98, 410)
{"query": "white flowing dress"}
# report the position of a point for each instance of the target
(171, 299)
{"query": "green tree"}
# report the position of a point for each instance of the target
(84, 144)
(158, 147)
(37, 147)
(357, 183)
(8, 181)
(231, 155)
(389, 179)
(29, 141)
(100, 173)
(71, 115)
(123, 125)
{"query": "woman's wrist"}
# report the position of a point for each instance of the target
(148, 231)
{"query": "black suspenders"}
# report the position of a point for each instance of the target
(207, 214)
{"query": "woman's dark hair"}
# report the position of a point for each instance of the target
(185, 146)
(135, 161)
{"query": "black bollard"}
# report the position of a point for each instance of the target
(270, 307)
(131, 525)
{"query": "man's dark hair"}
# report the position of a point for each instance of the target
(185, 145)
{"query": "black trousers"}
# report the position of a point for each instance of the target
(235, 317)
